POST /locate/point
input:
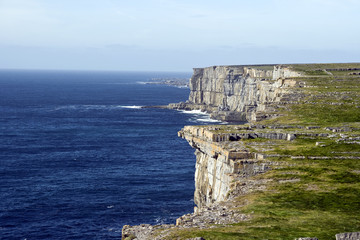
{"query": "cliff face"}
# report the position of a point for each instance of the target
(218, 168)
(239, 93)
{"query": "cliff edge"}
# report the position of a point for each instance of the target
(292, 172)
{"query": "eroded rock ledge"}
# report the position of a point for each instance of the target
(220, 164)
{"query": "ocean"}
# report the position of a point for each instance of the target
(79, 157)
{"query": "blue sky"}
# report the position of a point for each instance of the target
(175, 35)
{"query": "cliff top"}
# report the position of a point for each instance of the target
(298, 66)
(330, 96)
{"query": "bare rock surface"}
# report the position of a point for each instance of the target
(348, 236)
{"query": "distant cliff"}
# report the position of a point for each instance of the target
(239, 93)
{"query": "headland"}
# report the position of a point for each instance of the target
(291, 172)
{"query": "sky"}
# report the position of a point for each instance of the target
(175, 35)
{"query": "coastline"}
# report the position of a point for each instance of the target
(288, 136)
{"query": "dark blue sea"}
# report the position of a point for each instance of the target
(79, 158)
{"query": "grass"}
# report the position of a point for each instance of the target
(315, 73)
(326, 114)
(307, 147)
(314, 67)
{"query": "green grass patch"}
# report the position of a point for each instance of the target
(345, 177)
(307, 147)
(323, 114)
(315, 73)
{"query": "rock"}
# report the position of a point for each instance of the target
(312, 127)
(307, 238)
(136, 232)
(291, 137)
(290, 180)
(320, 144)
(217, 168)
(348, 236)
(284, 72)
(143, 231)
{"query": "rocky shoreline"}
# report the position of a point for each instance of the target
(175, 82)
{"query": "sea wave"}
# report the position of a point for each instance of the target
(95, 107)
(182, 86)
(209, 120)
(198, 112)
(199, 116)
(131, 107)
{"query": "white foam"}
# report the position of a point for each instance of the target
(208, 120)
(159, 220)
(199, 112)
(142, 82)
(95, 107)
(131, 107)
(199, 116)
(91, 107)
(184, 86)
(66, 107)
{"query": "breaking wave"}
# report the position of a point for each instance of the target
(96, 107)
(131, 107)
(197, 116)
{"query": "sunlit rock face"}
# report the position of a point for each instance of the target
(219, 168)
(239, 93)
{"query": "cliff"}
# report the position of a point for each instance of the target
(294, 171)
(240, 93)
(219, 165)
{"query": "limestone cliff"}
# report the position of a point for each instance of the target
(295, 174)
(239, 93)
(218, 167)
